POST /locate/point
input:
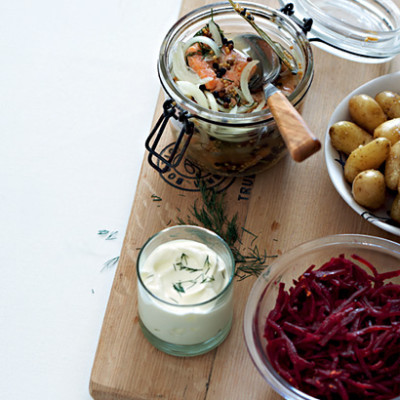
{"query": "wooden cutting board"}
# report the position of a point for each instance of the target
(284, 206)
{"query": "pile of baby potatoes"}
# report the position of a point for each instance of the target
(372, 142)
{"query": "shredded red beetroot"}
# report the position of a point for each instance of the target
(336, 333)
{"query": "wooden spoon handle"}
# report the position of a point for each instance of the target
(298, 138)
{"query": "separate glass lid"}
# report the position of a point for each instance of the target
(360, 30)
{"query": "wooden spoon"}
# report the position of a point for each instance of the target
(297, 136)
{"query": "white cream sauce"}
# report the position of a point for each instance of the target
(184, 272)
(187, 276)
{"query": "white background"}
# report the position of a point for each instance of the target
(78, 89)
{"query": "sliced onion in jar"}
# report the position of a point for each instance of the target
(223, 109)
(254, 107)
(215, 33)
(243, 109)
(180, 69)
(205, 40)
(239, 93)
(234, 110)
(244, 81)
(247, 108)
(260, 106)
(213, 105)
(191, 90)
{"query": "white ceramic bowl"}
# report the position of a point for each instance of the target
(380, 217)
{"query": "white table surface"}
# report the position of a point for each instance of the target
(78, 90)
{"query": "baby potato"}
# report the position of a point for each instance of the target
(369, 189)
(389, 129)
(370, 156)
(346, 136)
(366, 112)
(389, 102)
(395, 209)
(392, 167)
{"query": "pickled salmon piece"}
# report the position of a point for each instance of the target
(236, 70)
(202, 68)
(232, 66)
(287, 82)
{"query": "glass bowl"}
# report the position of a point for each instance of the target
(382, 253)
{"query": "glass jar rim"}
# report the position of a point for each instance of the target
(200, 229)
(217, 117)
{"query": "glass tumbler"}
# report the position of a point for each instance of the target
(190, 328)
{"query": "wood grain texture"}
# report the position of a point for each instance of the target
(300, 141)
(285, 206)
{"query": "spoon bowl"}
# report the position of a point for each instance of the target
(269, 66)
(299, 139)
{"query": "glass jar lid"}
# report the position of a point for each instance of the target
(360, 30)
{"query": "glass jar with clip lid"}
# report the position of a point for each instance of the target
(219, 134)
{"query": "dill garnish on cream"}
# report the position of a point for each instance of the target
(184, 271)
